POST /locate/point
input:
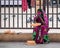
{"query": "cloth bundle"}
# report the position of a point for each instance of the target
(24, 5)
(27, 4)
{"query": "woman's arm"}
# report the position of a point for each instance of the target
(35, 24)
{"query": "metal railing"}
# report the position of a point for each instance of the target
(11, 12)
(52, 9)
(11, 19)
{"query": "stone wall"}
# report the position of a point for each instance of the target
(26, 36)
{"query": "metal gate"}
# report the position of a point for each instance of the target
(53, 12)
(12, 16)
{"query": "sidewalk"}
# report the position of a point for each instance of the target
(23, 45)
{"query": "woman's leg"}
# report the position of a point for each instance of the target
(44, 34)
(46, 38)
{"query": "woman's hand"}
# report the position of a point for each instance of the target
(45, 29)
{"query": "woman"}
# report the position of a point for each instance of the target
(40, 32)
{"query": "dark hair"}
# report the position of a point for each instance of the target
(42, 15)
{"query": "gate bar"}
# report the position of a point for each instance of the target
(47, 10)
(52, 14)
(0, 13)
(13, 14)
(4, 13)
(44, 5)
(17, 13)
(57, 14)
(9, 13)
(40, 3)
(26, 18)
(22, 19)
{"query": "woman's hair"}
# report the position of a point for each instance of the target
(42, 14)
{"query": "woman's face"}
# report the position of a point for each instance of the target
(38, 13)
